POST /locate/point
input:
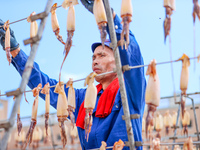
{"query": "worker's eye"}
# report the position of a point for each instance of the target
(103, 55)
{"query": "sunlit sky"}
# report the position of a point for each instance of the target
(147, 26)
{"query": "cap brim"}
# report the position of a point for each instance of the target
(95, 45)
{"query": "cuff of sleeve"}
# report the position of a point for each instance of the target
(20, 60)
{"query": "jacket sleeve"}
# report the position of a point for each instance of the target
(134, 79)
(37, 76)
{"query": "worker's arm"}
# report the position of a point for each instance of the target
(134, 79)
(19, 59)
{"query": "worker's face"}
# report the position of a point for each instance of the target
(103, 61)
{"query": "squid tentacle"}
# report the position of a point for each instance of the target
(30, 133)
(46, 122)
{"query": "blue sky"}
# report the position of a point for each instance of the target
(147, 26)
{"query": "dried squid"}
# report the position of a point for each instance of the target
(184, 79)
(34, 26)
(169, 7)
(152, 95)
(167, 122)
(62, 112)
(118, 145)
(17, 138)
(177, 147)
(126, 15)
(70, 31)
(90, 101)
(196, 10)
(45, 91)
(103, 145)
(54, 23)
(73, 134)
(174, 118)
(188, 144)
(71, 101)
(66, 3)
(156, 144)
(34, 115)
(46, 135)
(143, 124)
(101, 19)
(185, 122)
(158, 124)
(19, 122)
(37, 136)
(7, 41)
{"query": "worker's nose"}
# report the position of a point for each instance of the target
(94, 62)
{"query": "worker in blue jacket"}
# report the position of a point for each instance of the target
(107, 124)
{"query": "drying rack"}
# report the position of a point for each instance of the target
(8, 124)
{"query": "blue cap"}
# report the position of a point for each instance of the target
(95, 45)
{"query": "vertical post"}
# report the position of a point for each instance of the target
(25, 76)
(120, 76)
(195, 117)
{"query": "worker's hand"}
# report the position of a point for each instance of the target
(13, 42)
(88, 4)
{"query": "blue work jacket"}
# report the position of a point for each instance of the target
(111, 128)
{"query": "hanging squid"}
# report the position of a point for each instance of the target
(62, 112)
(167, 122)
(188, 144)
(165, 147)
(66, 3)
(45, 91)
(126, 15)
(196, 10)
(152, 95)
(101, 19)
(119, 145)
(156, 144)
(103, 145)
(37, 136)
(184, 79)
(46, 135)
(17, 139)
(73, 134)
(158, 124)
(34, 115)
(150, 130)
(54, 23)
(70, 31)
(174, 118)
(23, 138)
(143, 124)
(71, 101)
(7, 41)
(34, 26)
(177, 147)
(198, 58)
(185, 122)
(19, 122)
(169, 7)
(89, 102)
